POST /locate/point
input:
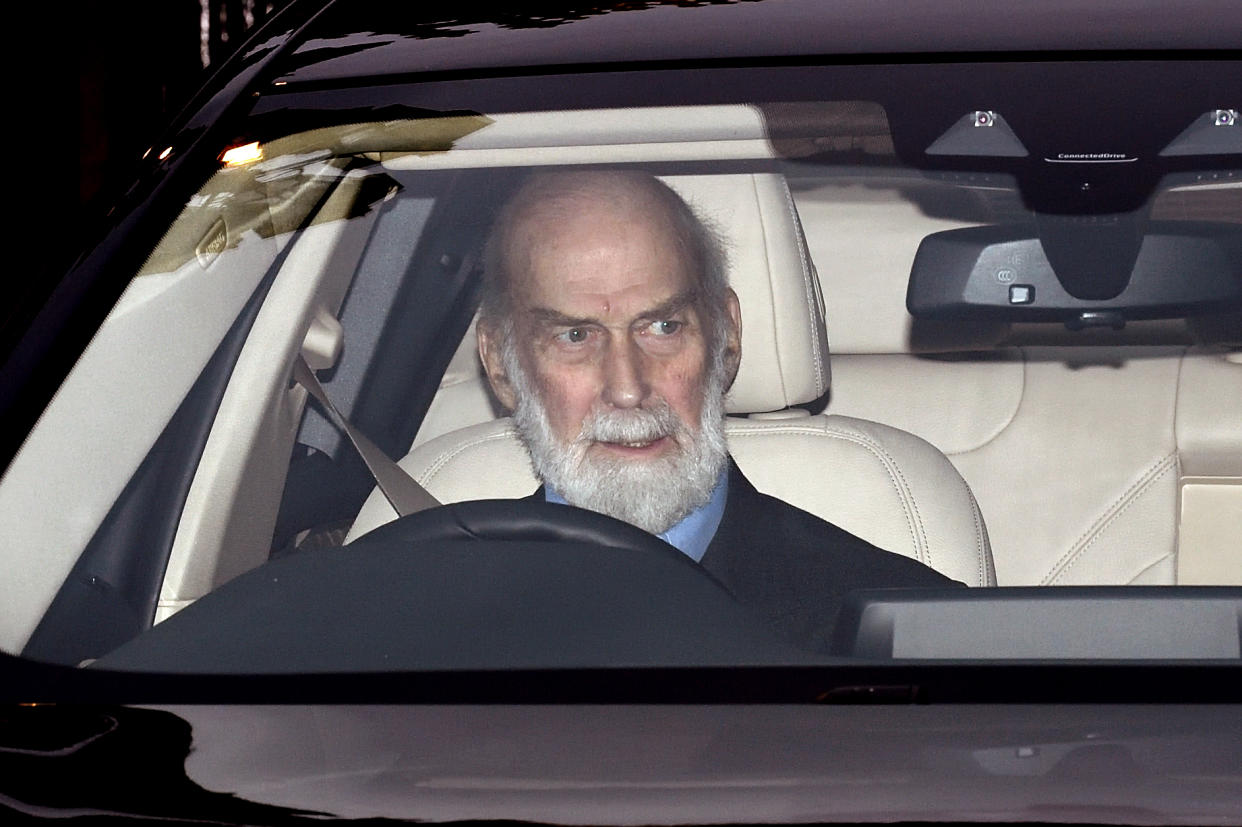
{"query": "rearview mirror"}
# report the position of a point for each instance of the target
(1003, 272)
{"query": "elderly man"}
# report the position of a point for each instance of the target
(609, 329)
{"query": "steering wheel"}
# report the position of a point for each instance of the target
(524, 520)
(535, 585)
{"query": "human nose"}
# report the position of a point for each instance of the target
(625, 383)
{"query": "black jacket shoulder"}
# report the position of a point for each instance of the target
(795, 568)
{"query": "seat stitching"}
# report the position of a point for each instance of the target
(925, 556)
(1177, 393)
(914, 523)
(808, 288)
(445, 456)
(922, 547)
(892, 465)
(976, 516)
(1110, 516)
(767, 257)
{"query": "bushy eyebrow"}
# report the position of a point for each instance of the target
(673, 306)
(548, 317)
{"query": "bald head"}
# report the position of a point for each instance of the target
(551, 207)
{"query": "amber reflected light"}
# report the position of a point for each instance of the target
(244, 154)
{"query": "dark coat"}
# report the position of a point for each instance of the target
(794, 568)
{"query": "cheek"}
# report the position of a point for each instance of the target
(569, 397)
(686, 399)
(682, 387)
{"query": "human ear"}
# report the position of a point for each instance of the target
(733, 339)
(494, 365)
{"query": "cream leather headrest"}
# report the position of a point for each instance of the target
(784, 340)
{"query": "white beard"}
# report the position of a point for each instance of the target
(651, 494)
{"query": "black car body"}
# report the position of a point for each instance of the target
(1026, 224)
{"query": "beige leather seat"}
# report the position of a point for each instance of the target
(882, 484)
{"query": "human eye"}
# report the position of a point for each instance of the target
(664, 327)
(573, 336)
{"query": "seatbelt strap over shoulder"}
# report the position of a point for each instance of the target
(401, 490)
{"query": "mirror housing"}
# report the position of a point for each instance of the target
(1002, 272)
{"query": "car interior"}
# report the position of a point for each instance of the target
(999, 451)
(1121, 435)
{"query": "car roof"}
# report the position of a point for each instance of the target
(378, 39)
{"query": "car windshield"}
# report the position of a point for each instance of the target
(986, 326)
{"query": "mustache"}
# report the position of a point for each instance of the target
(634, 425)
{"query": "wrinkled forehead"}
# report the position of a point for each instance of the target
(609, 238)
(574, 189)
(548, 200)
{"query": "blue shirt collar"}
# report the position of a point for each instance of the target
(694, 533)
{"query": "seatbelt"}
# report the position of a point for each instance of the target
(401, 490)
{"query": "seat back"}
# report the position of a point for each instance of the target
(887, 486)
